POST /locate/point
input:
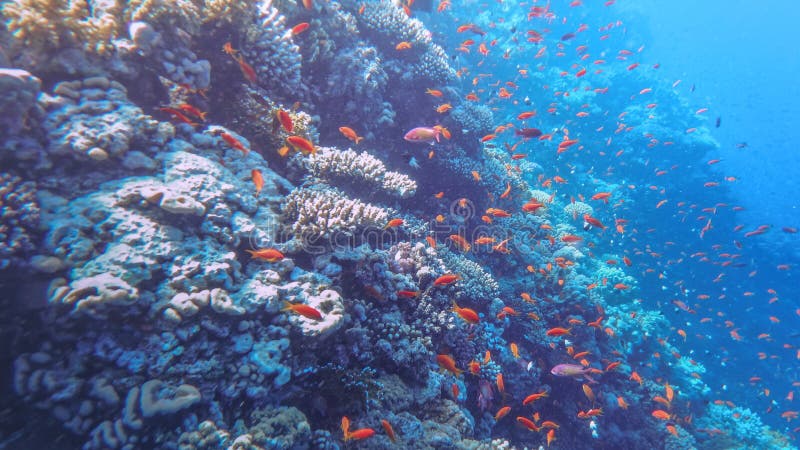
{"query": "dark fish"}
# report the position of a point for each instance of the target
(528, 132)
(719, 121)
(741, 145)
(567, 36)
(692, 89)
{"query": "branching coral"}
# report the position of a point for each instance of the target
(362, 167)
(321, 212)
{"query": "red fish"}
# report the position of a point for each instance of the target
(446, 279)
(267, 254)
(302, 309)
(285, 120)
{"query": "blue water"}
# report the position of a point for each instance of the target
(685, 114)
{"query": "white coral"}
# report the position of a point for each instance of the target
(322, 212)
(331, 162)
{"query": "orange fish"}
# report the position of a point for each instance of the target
(444, 108)
(267, 254)
(193, 111)
(247, 70)
(460, 242)
(621, 402)
(361, 433)
(349, 133)
(502, 412)
(448, 363)
(431, 241)
(557, 331)
(258, 180)
(469, 315)
(302, 309)
(528, 423)
(407, 294)
(551, 436)
(393, 223)
(234, 143)
(302, 144)
(403, 46)
(501, 384)
(434, 92)
(514, 350)
(299, 28)
(345, 426)
(588, 392)
(389, 430)
(661, 414)
(446, 279)
(533, 397)
(285, 120)
(176, 114)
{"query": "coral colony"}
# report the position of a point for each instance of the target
(216, 237)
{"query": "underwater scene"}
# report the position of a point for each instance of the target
(379, 224)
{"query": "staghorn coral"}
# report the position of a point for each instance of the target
(321, 212)
(19, 219)
(331, 163)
